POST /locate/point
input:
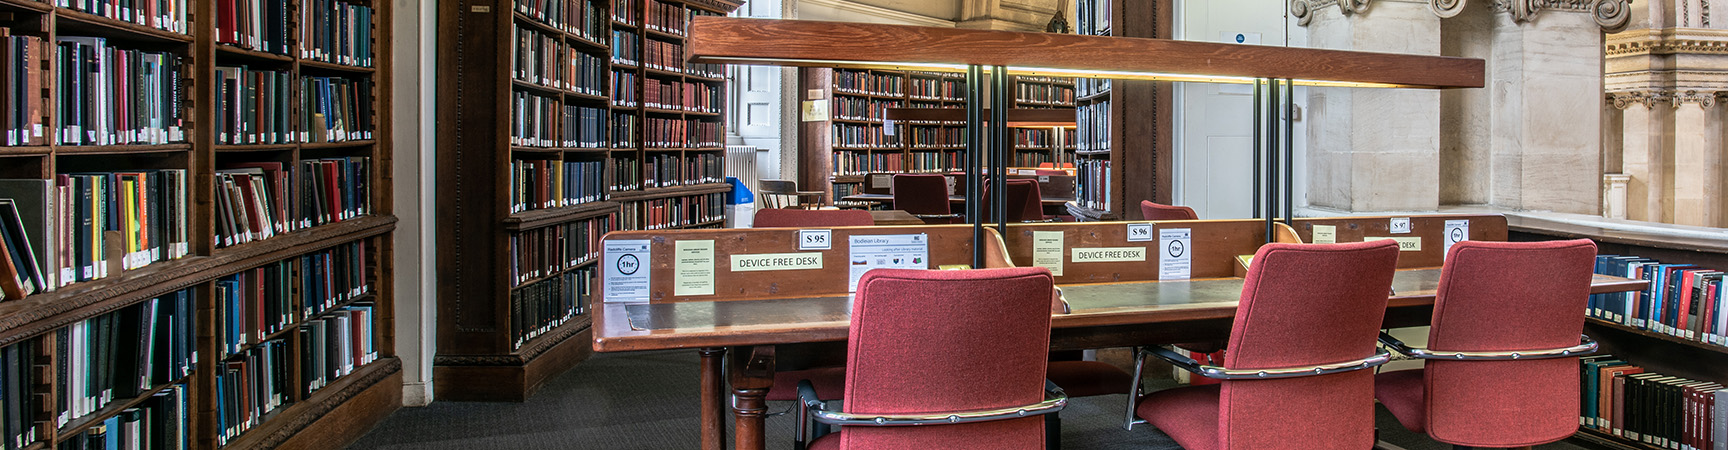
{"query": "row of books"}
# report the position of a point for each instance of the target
(868, 83)
(547, 183)
(86, 216)
(169, 15)
(544, 305)
(1034, 159)
(626, 48)
(1681, 300)
(336, 32)
(673, 212)
(680, 95)
(1044, 94)
(622, 86)
(626, 126)
(260, 25)
(667, 18)
(860, 163)
(624, 176)
(545, 251)
(1087, 87)
(851, 135)
(665, 170)
(862, 108)
(1092, 130)
(123, 354)
(1627, 401)
(114, 96)
(944, 89)
(543, 59)
(934, 162)
(18, 401)
(583, 18)
(256, 201)
(928, 137)
(162, 421)
(336, 344)
(335, 109)
(1092, 17)
(23, 117)
(264, 300)
(249, 386)
(627, 12)
(682, 133)
(1040, 137)
(663, 55)
(542, 121)
(1092, 183)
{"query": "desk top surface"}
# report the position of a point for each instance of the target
(653, 326)
(951, 198)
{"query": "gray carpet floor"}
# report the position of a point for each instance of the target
(648, 401)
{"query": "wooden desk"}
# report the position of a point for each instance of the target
(887, 198)
(775, 321)
(894, 217)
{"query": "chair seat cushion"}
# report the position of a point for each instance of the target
(1401, 392)
(830, 383)
(1188, 414)
(830, 441)
(1089, 378)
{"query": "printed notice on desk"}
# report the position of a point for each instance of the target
(693, 271)
(1456, 231)
(626, 271)
(1175, 257)
(1047, 251)
(886, 251)
(1325, 234)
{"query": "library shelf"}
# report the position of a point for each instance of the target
(334, 67)
(25, 150)
(80, 424)
(225, 50)
(347, 406)
(542, 217)
(337, 144)
(120, 149)
(78, 23)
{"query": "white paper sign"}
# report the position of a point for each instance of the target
(1456, 231)
(815, 239)
(693, 267)
(885, 251)
(626, 272)
(1325, 234)
(1047, 251)
(1174, 255)
(1139, 232)
(1400, 225)
(887, 127)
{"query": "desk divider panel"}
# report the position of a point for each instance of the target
(1430, 229)
(1214, 247)
(948, 245)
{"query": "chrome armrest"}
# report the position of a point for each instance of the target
(937, 216)
(1054, 400)
(1220, 373)
(1585, 346)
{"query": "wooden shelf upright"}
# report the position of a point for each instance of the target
(508, 318)
(1137, 153)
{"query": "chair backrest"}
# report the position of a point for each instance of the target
(1156, 211)
(921, 193)
(771, 218)
(773, 194)
(1304, 305)
(1025, 201)
(1502, 296)
(948, 341)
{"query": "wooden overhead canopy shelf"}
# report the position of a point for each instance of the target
(809, 43)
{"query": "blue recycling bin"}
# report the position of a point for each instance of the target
(740, 206)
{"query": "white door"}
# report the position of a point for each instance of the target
(1214, 140)
(755, 100)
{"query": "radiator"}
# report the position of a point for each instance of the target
(741, 164)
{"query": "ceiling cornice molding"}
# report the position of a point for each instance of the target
(895, 16)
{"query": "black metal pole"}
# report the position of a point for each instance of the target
(974, 131)
(1257, 145)
(1000, 139)
(1271, 122)
(1289, 151)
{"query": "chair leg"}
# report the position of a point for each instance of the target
(1134, 391)
(1053, 431)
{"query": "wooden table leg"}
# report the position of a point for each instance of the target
(752, 373)
(713, 399)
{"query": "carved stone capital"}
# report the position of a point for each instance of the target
(1653, 99)
(1304, 9)
(1611, 15)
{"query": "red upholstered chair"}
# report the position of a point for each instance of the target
(925, 196)
(926, 346)
(772, 218)
(1303, 331)
(1031, 201)
(1502, 367)
(1156, 211)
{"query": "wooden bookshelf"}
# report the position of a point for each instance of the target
(332, 416)
(484, 351)
(1138, 152)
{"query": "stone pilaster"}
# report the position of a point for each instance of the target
(1374, 149)
(1647, 154)
(1544, 77)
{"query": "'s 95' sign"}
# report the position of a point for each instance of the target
(815, 239)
